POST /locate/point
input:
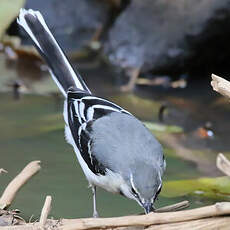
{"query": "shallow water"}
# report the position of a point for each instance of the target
(32, 128)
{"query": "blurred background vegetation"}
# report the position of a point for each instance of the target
(152, 57)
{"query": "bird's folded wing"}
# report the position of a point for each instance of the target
(83, 110)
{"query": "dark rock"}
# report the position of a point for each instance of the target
(170, 36)
(73, 22)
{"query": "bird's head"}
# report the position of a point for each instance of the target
(144, 187)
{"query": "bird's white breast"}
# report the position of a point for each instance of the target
(111, 181)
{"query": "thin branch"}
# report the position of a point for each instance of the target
(174, 207)
(3, 170)
(146, 220)
(133, 73)
(221, 85)
(223, 164)
(45, 211)
(13, 187)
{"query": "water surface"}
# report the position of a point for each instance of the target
(32, 128)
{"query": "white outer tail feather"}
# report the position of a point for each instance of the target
(21, 21)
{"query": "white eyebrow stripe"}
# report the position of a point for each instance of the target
(159, 174)
(160, 185)
(132, 183)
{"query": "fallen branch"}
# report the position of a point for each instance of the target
(221, 85)
(3, 171)
(146, 220)
(13, 187)
(45, 211)
(200, 218)
(212, 223)
(174, 207)
(223, 164)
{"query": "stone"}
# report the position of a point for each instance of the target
(167, 36)
(74, 23)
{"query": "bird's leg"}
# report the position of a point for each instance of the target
(95, 213)
(133, 74)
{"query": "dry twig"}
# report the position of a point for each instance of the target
(223, 164)
(3, 170)
(45, 211)
(174, 207)
(212, 223)
(133, 74)
(13, 187)
(221, 85)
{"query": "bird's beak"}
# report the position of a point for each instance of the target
(148, 206)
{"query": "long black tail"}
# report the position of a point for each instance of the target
(60, 68)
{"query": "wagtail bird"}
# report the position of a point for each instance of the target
(115, 150)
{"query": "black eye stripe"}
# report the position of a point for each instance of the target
(159, 190)
(134, 192)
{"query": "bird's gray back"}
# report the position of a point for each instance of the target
(121, 142)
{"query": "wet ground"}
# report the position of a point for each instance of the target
(32, 128)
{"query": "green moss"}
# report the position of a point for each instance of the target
(155, 127)
(205, 187)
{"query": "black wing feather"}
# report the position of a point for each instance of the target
(81, 129)
(83, 141)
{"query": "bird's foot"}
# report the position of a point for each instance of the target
(95, 214)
